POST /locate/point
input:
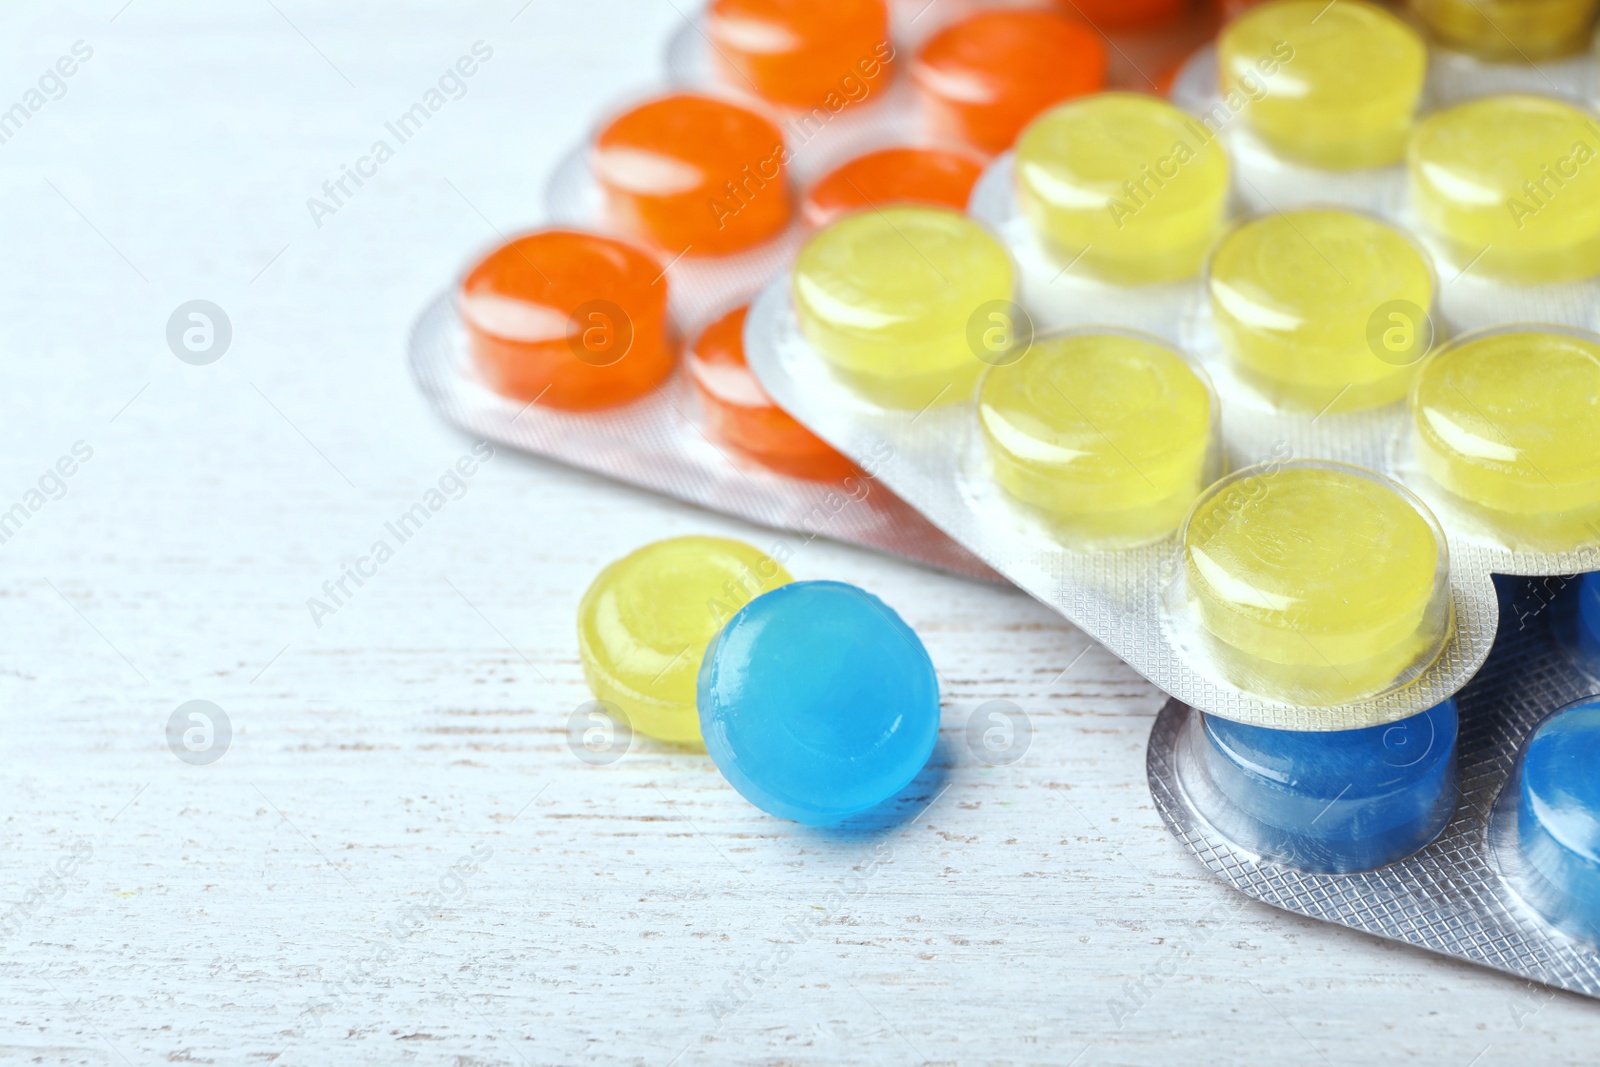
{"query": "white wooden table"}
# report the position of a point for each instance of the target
(303, 899)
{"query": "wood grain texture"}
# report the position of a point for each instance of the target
(304, 900)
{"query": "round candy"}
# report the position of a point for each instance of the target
(1510, 421)
(983, 78)
(886, 297)
(1510, 186)
(1322, 309)
(692, 173)
(741, 415)
(1315, 579)
(1122, 14)
(1558, 819)
(1329, 802)
(937, 176)
(818, 702)
(1107, 435)
(645, 621)
(1127, 186)
(571, 320)
(1331, 85)
(1510, 30)
(798, 52)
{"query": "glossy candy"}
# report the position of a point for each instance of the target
(984, 77)
(1510, 30)
(818, 702)
(1509, 421)
(1124, 186)
(1315, 580)
(1327, 802)
(798, 52)
(740, 414)
(1107, 436)
(1330, 85)
(886, 297)
(1510, 186)
(572, 320)
(645, 621)
(1322, 310)
(938, 176)
(1558, 819)
(693, 172)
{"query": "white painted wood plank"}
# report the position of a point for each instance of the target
(251, 911)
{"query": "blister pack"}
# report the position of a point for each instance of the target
(1277, 456)
(1493, 858)
(612, 340)
(1064, 387)
(685, 200)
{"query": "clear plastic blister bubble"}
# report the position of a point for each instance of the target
(664, 433)
(1209, 612)
(1471, 830)
(1497, 181)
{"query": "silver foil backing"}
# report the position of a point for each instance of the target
(1454, 896)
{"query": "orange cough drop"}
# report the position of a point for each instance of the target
(568, 319)
(692, 173)
(983, 78)
(935, 176)
(798, 52)
(741, 415)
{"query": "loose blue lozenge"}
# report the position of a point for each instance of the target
(1558, 819)
(1333, 802)
(817, 702)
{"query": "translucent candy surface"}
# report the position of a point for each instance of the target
(984, 77)
(1510, 30)
(1510, 421)
(1126, 186)
(694, 175)
(1314, 580)
(572, 320)
(1558, 818)
(1321, 308)
(1334, 802)
(886, 297)
(740, 415)
(937, 176)
(645, 621)
(798, 52)
(1107, 435)
(818, 702)
(1331, 85)
(1511, 185)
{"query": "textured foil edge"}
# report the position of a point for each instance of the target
(1450, 897)
(655, 443)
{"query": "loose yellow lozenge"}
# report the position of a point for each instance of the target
(1126, 186)
(1510, 422)
(1510, 186)
(1316, 580)
(644, 623)
(1108, 436)
(1510, 30)
(886, 297)
(1345, 84)
(1322, 309)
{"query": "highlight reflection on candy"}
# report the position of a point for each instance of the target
(568, 319)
